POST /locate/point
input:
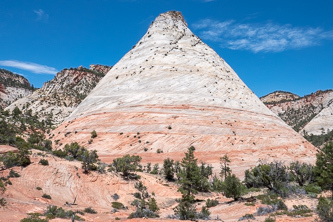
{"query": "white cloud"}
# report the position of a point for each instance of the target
(41, 15)
(29, 66)
(266, 37)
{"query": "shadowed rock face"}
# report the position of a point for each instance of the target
(172, 91)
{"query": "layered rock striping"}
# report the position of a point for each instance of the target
(172, 91)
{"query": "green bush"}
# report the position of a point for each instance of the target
(74, 150)
(247, 217)
(88, 159)
(93, 134)
(273, 200)
(117, 205)
(313, 188)
(3, 202)
(126, 164)
(137, 195)
(44, 162)
(155, 169)
(250, 190)
(270, 219)
(2, 186)
(232, 187)
(185, 211)
(143, 213)
(33, 218)
(302, 173)
(217, 184)
(38, 188)
(11, 159)
(211, 203)
(46, 196)
(152, 205)
(90, 210)
(55, 212)
(325, 209)
(203, 214)
(300, 211)
(273, 176)
(13, 174)
(59, 153)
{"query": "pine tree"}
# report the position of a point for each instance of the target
(232, 187)
(168, 169)
(225, 169)
(189, 178)
(324, 168)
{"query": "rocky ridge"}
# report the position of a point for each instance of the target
(60, 96)
(12, 87)
(172, 91)
(278, 97)
(301, 111)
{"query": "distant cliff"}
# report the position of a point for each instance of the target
(12, 87)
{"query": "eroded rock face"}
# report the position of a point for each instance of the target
(300, 111)
(60, 96)
(172, 91)
(12, 87)
(65, 182)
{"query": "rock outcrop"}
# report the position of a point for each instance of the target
(278, 97)
(300, 111)
(172, 91)
(12, 87)
(60, 96)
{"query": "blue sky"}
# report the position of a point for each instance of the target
(272, 45)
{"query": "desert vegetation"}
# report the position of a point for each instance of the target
(320, 140)
(275, 181)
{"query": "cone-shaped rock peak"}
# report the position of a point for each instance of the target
(171, 66)
(172, 91)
